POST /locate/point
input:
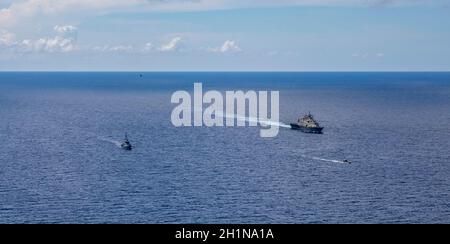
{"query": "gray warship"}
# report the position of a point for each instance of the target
(126, 145)
(307, 124)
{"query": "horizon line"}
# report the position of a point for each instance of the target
(225, 71)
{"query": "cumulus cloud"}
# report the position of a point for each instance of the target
(116, 48)
(64, 41)
(55, 44)
(121, 48)
(66, 29)
(228, 46)
(6, 38)
(172, 45)
(148, 47)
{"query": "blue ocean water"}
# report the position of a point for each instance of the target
(60, 163)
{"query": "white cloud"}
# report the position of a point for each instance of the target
(117, 48)
(55, 44)
(148, 47)
(66, 29)
(65, 41)
(172, 45)
(121, 48)
(6, 38)
(67, 32)
(100, 48)
(228, 46)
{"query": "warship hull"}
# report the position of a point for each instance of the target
(313, 130)
(127, 147)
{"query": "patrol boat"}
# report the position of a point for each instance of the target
(307, 124)
(126, 145)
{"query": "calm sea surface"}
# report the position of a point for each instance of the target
(60, 163)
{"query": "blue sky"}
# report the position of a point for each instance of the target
(225, 35)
